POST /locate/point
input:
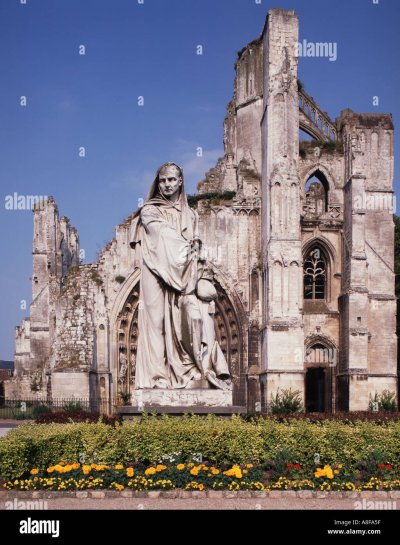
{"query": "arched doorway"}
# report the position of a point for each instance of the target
(319, 365)
(316, 390)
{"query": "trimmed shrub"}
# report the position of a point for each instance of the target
(151, 439)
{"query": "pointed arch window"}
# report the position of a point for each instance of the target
(316, 195)
(315, 274)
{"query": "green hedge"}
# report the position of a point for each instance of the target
(219, 440)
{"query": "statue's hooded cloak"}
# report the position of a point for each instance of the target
(189, 219)
(174, 327)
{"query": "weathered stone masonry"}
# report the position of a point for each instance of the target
(300, 235)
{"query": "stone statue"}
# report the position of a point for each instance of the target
(176, 343)
(123, 360)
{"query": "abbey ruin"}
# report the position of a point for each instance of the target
(300, 239)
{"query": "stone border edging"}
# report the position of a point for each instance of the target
(197, 494)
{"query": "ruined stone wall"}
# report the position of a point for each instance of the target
(369, 272)
(74, 350)
(248, 104)
(321, 321)
(230, 228)
(55, 249)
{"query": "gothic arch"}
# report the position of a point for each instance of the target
(319, 170)
(328, 254)
(231, 322)
(317, 338)
(117, 328)
(324, 243)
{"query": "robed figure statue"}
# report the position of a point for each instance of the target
(177, 347)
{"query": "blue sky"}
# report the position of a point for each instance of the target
(148, 50)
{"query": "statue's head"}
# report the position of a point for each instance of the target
(170, 181)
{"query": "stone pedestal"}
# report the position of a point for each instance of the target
(190, 399)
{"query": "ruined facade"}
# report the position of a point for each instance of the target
(300, 236)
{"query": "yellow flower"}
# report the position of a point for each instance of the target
(119, 466)
(130, 472)
(194, 471)
(50, 469)
(180, 467)
(336, 472)
(150, 471)
(86, 469)
(34, 471)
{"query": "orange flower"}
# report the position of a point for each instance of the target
(34, 471)
(180, 467)
(130, 472)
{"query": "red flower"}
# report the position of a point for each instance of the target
(381, 466)
(289, 465)
(388, 466)
(297, 466)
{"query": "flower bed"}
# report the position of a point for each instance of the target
(293, 450)
(74, 476)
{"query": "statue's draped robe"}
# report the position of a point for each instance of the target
(176, 331)
(169, 277)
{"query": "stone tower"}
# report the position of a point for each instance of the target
(282, 336)
(55, 250)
